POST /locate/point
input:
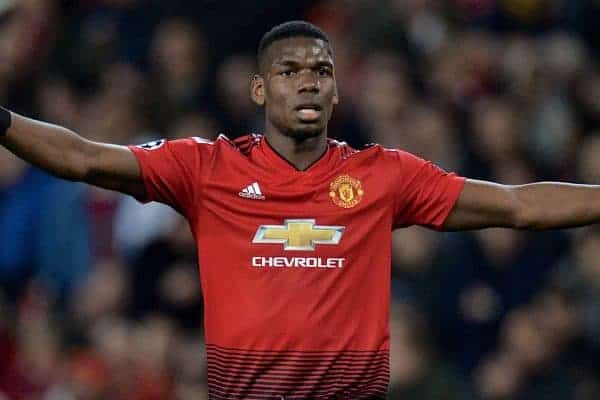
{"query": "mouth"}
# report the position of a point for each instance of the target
(308, 112)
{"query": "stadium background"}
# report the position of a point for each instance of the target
(99, 297)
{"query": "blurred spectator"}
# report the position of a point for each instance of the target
(50, 242)
(180, 60)
(416, 372)
(233, 87)
(166, 278)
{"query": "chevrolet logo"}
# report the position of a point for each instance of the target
(299, 234)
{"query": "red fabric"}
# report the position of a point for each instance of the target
(425, 194)
(170, 172)
(289, 329)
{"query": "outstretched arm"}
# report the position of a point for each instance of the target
(67, 155)
(536, 206)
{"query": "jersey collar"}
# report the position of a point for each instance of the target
(275, 159)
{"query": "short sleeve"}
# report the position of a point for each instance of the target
(171, 171)
(424, 194)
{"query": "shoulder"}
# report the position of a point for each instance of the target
(173, 145)
(197, 142)
(242, 144)
(193, 149)
(348, 152)
(373, 152)
(392, 163)
(204, 145)
(245, 144)
(225, 149)
(396, 156)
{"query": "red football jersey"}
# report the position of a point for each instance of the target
(295, 265)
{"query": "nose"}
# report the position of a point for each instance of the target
(308, 82)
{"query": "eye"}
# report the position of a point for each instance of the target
(287, 73)
(324, 71)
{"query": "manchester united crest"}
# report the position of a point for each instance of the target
(346, 191)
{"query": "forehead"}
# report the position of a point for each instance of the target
(298, 49)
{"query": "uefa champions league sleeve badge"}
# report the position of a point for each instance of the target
(153, 145)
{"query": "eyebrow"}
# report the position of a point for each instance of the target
(292, 63)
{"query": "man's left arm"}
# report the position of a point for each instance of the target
(535, 206)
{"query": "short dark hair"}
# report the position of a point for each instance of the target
(287, 30)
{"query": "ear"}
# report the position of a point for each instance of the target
(336, 96)
(257, 90)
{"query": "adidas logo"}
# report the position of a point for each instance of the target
(252, 191)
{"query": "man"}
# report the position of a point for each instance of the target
(294, 229)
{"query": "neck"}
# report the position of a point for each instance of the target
(301, 153)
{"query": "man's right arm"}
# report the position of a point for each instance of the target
(67, 155)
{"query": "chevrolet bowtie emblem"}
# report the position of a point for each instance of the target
(299, 234)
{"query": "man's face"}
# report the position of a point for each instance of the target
(297, 86)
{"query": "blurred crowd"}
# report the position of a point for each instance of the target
(99, 295)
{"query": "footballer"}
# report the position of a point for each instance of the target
(293, 228)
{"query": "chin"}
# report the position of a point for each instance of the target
(305, 131)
